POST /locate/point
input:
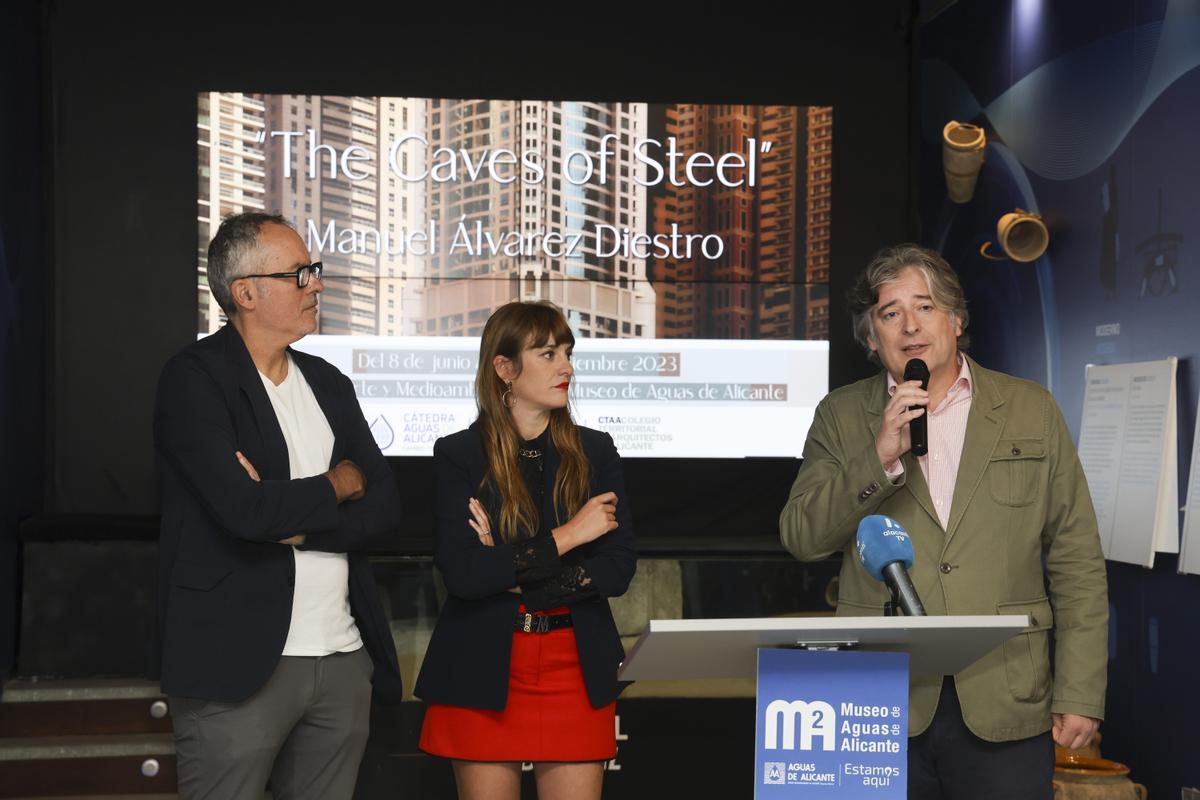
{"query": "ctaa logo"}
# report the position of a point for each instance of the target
(815, 719)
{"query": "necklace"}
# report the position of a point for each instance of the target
(529, 453)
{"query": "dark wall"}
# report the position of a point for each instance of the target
(1086, 103)
(23, 276)
(124, 126)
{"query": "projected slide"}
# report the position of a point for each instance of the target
(692, 239)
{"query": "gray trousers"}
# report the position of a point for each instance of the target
(304, 730)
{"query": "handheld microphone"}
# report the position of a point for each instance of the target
(918, 429)
(886, 552)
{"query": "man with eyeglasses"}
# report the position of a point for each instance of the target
(272, 487)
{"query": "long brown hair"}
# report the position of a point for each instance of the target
(511, 330)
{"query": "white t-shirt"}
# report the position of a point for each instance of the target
(321, 619)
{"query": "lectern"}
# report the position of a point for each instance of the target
(682, 649)
(832, 701)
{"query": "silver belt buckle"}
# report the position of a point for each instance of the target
(528, 622)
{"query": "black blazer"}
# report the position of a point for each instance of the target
(467, 661)
(225, 583)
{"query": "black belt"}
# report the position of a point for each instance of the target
(542, 623)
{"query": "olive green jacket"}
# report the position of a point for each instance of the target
(1021, 517)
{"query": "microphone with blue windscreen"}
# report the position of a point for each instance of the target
(886, 552)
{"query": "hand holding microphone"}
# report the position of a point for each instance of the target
(918, 428)
(898, 430)
(886, 552)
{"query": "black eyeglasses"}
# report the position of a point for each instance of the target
(302, 275)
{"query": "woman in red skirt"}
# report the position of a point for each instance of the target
(533, 537)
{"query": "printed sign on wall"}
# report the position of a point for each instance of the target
(831, 724)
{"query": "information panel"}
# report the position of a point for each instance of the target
(831, 724)
(661, 398)
(1127, 445)
(666, 226)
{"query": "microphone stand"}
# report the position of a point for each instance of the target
(891, 608)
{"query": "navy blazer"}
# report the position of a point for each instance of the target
(225, 583)
(467, 661)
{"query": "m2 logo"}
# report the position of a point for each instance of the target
(815, 719)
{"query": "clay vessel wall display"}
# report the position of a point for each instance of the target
(1021, 235)
(962, 158)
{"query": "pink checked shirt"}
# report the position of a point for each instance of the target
(947, 431)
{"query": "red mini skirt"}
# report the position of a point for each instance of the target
(547, 717)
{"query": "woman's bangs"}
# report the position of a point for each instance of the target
(546, 323)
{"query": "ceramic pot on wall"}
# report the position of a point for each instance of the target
(1021, 235)
(962, 158)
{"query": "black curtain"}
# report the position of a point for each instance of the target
(23, 276)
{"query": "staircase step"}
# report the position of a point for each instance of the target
(104, 738)
(154, 796)
(76, 708)
(103, 746)
(48, 766)
(28, 691)
(87, 776)
(83, 717)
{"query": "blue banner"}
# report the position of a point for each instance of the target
(831, 724)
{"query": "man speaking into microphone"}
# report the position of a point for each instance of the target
(997, 509)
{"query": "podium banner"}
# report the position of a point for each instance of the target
(831, 724)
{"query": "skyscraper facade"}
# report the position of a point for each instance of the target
(353, 211)
(776, 233)
(230, 161)
(604, 294)
(819, 203)
(418, 238)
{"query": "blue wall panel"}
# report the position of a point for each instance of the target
(1091, 111)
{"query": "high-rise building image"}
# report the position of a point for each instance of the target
(819, 203)
(429, 214)
(604, 296)
(770, 282)
(370, 287)
(230, 160)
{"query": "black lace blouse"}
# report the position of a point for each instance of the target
(546, 580)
